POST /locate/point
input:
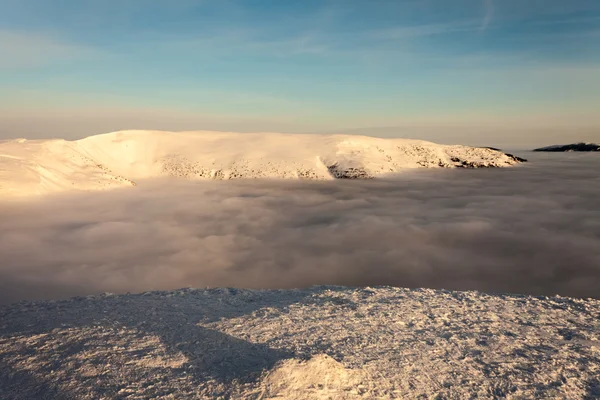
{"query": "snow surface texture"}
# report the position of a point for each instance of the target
(319, 343)
(118, 159)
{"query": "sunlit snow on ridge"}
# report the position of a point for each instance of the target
(119, 159)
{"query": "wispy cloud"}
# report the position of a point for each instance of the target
(424, 30)
(31, 50)
(489, 13)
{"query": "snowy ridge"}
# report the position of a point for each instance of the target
(120, 158)
(318, 343)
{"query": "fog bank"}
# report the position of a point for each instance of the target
(533, 229)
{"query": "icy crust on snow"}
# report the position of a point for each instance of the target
(120, 158)
(319, 343)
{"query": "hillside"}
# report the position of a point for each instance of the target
(319, 343)
(121, 158)
(570, 147)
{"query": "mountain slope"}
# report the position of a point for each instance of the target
(119, 158)
(558, 148)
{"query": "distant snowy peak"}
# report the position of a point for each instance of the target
(570, 147)
(120, 158)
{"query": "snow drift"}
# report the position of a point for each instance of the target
(120, 158)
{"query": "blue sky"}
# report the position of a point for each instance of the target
(81, 66)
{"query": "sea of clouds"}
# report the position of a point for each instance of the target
(534, 229)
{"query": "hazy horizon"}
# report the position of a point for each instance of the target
(506, 139)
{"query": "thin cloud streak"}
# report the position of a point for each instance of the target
(27, 50)
(489, 13)
(424, 30)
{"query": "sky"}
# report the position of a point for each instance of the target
(532, 229)
(479, 71)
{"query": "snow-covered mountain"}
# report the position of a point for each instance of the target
(570, 147)
(120, 158)
(319, 343)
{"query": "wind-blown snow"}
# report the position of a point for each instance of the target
(319, 343)
(120, 158)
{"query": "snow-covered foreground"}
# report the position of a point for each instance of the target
(119, 159)
(319, 343)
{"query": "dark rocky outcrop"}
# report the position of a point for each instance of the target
(570, 147)
(348, 173)
(516, 158)
(512, 156)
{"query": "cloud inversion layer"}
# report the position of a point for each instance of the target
(533, 229)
